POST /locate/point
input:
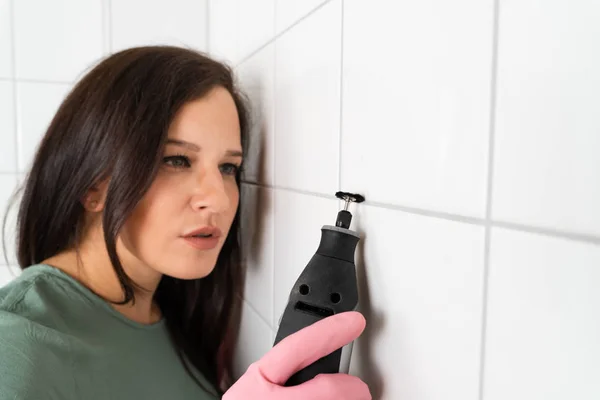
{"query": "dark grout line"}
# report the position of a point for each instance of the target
(579, 237)
(29, 80)
(489, 196)
(554, 233)
(255, 311)
(278, 35)
(341, 122)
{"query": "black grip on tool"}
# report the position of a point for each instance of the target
(326, 286)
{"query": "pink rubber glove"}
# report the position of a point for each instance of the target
(263, 379)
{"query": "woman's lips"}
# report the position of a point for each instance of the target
(202, 243)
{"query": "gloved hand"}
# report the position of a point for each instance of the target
(263, 379)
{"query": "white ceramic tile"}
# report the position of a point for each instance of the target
(543, 325)
(256, 76)
(421, 292)
(257, 232)
(416, 99)
(6, 70)
(254, 340)
(239, 27)
(8, 134)
(7, 275)
(290, 11)
(256, 24)
(298, 222)
(8, 184)
(307, 95)
(547, 170)
(223, 29)
(147, 22)
(57, 40)
(36, 105)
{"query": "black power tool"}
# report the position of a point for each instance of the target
(326, 286)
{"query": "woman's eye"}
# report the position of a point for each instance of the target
(181, 161)
(177, 161)
(230, 169)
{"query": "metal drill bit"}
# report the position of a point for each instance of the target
(349, 197)
(344, 217)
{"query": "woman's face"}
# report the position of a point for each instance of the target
(195, 192)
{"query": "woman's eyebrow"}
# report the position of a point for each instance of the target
(195, 147)
(182, 143)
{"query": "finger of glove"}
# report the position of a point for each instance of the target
(309, 344)
(330, 387)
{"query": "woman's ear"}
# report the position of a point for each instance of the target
(94, 199)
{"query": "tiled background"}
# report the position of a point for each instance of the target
(471, 127)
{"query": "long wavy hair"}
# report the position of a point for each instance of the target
(114, 123)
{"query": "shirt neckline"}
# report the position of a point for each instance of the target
(90, 295)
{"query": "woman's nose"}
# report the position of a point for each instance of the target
(210, 193)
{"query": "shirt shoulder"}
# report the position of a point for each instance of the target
(34, 356)
(32, 360)
(41, 294)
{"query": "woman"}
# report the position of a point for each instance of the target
(127, 235)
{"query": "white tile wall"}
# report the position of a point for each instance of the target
(307, 93)
(435, 99)
(56, 40)
(6, 68)
(239, 27)
(8, 184)
(223, 35)
(7, 274)
(8, 161)
(257, 77)
(289, 12)
(254, 339)
(543, 318)
(258, 233)
(547, 169)
(424, 278)
(140, 22)
(416, 99)
(36, 105)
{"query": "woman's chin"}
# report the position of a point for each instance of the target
(190, 272)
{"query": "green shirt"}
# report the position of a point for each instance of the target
(58, 340)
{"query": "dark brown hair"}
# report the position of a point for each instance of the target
(114, 124)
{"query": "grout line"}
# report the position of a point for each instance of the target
(289, 189)
(568, 235)
(13, 51)
(340, 130)
(251, 306)
(394, 207)
(278, 35)
(489, 195)
(574, 236)
(428, 213)
(28, 80)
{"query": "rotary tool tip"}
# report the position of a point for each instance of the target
(353, 197)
